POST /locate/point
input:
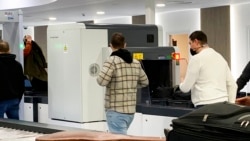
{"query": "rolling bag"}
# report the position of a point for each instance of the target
(213, 122)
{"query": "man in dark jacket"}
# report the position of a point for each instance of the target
(244, 77)
(11, 83)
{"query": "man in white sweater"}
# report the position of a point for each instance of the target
(208, 75)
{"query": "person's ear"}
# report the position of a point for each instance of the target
(198, 43)
(125, 45)
(111, 46)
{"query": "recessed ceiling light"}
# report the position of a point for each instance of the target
(178, 2)
(100, 12)
(52, 18)
(160, 5)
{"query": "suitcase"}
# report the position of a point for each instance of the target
(213, 122)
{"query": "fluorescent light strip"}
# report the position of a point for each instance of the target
(160, 5)
(52, 18)
(100, 12)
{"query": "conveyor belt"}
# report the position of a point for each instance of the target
(35, 127)
(8, 134)
(169, 111)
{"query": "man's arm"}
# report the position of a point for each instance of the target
(231, 86)
(191, 76)
(143, 79)
(244, 77)
(106, 73)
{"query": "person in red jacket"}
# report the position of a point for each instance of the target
(35, 65)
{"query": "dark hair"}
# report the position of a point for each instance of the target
(4, 46)
(118, 40)
(199, 35)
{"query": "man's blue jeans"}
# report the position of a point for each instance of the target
(118, 123)
(10, 108)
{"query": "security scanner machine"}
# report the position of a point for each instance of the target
(162, 68)
(154, 111)
(12, 32)
(73, 63)
(74, 60)
(137, 35)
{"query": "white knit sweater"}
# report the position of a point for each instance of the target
(209, 79)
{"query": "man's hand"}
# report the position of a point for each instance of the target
(243, 101)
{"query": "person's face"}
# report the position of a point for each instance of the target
(27, 38)
(193, 44)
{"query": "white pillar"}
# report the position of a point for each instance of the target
(20, 55)
(150, 11)
(20, 27)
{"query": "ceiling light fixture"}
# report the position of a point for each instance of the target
(100, 12)
(160, 5)
(178, 2)
(52, 18)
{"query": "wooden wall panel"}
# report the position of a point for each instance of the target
(215, 22)
(40, 33)
(140, 19)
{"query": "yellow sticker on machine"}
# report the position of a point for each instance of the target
(138, 56)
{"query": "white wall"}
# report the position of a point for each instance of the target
(117, 20)
(29, 31)
(1, 29)
(240, 29)
(178, 22)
